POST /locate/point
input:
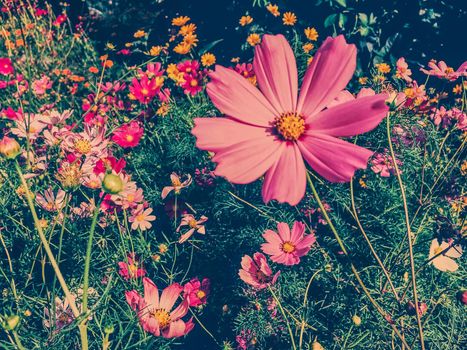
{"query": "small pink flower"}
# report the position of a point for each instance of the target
(442, 117)
(41, 85)
(130, 268)
(287, 247)
(141, 218)
(145, 89)
(445, 254)
(195, 226)
(192, 85)
(256, 272)
(196, 292)
(382, 164)
(177, 184)
(402, 70)
(6, 67)
(128, 135)
(51, 202)
(155, 312)
(441, 70)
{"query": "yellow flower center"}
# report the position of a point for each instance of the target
(200, 294)
(288, 247)
(130, 197)
(449, 70)
(132, 268)
(139, 217)
(83, 146)
(144, 92)
(438, 250)
(192, 223)
(290, 126)
(194, 83)
(176, 182)
(162, 317)
(129, 138)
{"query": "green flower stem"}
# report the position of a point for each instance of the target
(285, 317)
(53, 262)
(354, 269)
(409, 232)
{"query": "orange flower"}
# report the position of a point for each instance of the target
(93, 70)
(191, 39)
(289, 19)
(253, 39)
(182, 48)
(187, 29)
(107, 64)
(155, 50)
(245, 20)
(273, 9)
(308, 47)
(180, 21)
(383, 67)
(311, 34)
(208, 59)
(139, 34)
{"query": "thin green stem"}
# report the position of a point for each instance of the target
(285, 317)
(409, 231)
(352, 266)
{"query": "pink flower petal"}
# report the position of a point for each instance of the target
(351, 118)
(180, 311)
(151, 293)
(329, 73)
(243, 152)
(298, 230)
(272, 237)
(236, 97)
(175, 329)
(285, 181)
(271, 248)
(332, 158)
(276, 72)
(284, 231)
(169, 296)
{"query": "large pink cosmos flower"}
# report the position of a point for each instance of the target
(442, 70)
(286, 247)
(271, 131)
(155, 313)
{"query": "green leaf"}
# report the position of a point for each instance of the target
(342, 20)
(343, 3)
(209, 46)
(363, 18)
(329, 21)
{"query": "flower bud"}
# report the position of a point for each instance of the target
(112, 184)
(316, 346)
(109, 329)
(9, 148)
(11, 322)
(356, 320)
(463, 297)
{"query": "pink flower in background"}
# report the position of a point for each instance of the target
(177, 184)
(195, 226)
(274, 130)
(6, 67)
(155, 312)
(256, 272)
(58, 317)
(128, 135)
(402, 70)
(441, 116)
(141, 218)
(51, 202)
(130, 268)
(445, 254)
(382, 164)
(196, 291)
(41, 85)
(192, 84)
(286, 247)
(145, 89)
(441, 70)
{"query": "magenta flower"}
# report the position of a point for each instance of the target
(274, 130)
(286, 247)
(131, 268)
(256, 272)
(196, 291)
(155, 312)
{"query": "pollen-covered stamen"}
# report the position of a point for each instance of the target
(83, 146)
(288, 247)
(162, 317)
(290, 125)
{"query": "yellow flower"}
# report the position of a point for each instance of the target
(235, 59)
(363, 80)
(163, 110)
(208, 59)
(308, 62)
(163, 248)
(311, 34)
(457, 89)
(289, 19)
(464, 168)
(155, 50)
(43, 223)
(244, 20)
(274, 9)
(180, 21)
(190, 39)
(128, 44)
(182, 48)
(308, 47)
(253, 39)
(187, 29)
(174, 74)
(139, 34)
(383, 68)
